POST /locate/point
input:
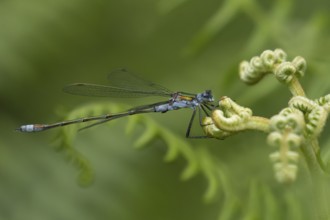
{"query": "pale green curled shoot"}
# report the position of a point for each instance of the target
(231, 118)
(254, 70)
(295, 129)
(286, 136)
(315, 114)
(274, 62)
(324, 102)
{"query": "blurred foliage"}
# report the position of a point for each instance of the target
(185, 45)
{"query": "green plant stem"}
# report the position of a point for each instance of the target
(320, 192)
(296, 88)
(311, 160)
(316, 148)
(259, 123)
(320, 187)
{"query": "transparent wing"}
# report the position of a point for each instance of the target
(123, 84)
(87, 89)
(123, 78)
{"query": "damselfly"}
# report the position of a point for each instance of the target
(123, 83)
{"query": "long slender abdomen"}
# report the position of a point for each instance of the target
(32, 128)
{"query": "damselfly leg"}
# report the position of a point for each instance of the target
(200, 109)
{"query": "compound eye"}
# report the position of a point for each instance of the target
(207, 94)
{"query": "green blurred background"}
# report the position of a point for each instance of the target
(187, 45)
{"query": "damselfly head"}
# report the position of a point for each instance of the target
(205, 96)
